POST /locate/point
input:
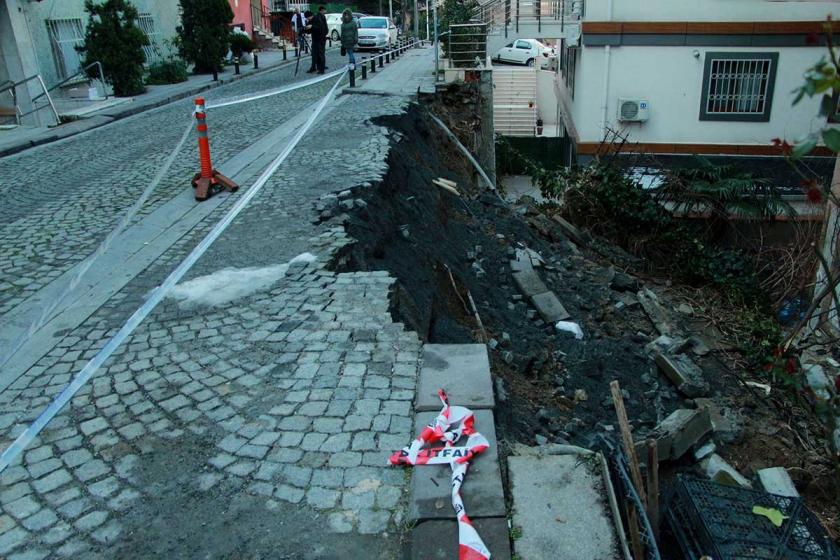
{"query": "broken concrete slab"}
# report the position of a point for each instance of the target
(818, 381)
(549, 307)
(463, 370)
(655, 312)
(438, 539)
(482, 490)
(561, 508)
(686, 376)
(727, 421)
(529, 283)
(717, 469)
(680, 431)
(521, 262)
(776, 480)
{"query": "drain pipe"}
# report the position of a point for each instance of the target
(437, 39)
(605, 98)
(466, 152)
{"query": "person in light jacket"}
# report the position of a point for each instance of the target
(349, 35)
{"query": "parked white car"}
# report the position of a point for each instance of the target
(523, 51)
(377, 33)
(334, 25)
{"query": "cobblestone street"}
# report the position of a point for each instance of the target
(249, 426)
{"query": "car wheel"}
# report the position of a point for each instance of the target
(530, 62)
(335, 35)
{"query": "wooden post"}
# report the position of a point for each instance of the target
(635, 471)
(653, 485)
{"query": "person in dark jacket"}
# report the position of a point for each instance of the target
(320, 30)
(349, 35)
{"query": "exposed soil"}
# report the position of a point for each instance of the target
(443, 248)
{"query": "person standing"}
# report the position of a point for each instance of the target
(320, 30)
(299, 24)
(349, 36)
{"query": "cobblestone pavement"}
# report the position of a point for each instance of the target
(60, 200)
(258, 427)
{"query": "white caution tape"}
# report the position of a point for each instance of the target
(226, 102)
(158, 294)
(448, 427)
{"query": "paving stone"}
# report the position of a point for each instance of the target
(92, 426)
(322, 498)
(91, 521)
(341, 522)
(373, 521)
(463, 370)
(52, 481)
(108, 534)
(76, 457)
(289, 493)
(438, 539)
(23, 507)
(91, 469)
(10, 540)
(482, 491)
(40, 520)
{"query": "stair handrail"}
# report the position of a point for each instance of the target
(14, 85)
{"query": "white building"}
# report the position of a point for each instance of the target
(40, 38)
(690, 76)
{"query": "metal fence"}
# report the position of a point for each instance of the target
(504, 14)
(466, 45)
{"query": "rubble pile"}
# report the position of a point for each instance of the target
(563, 315)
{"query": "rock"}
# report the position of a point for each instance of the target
(360, 203)
(777, 481)
(624, 283)
(722, 472)
(667, 344)
(581, 395)
(493, 343)
(698, 346)
(685, 309)
(505, 339)
(507, 356)
(501, 392)
(680, 431)
(705, 450)
(727, 422)
(404, 232)
(540, 439)
(684, 374)
(345, 194)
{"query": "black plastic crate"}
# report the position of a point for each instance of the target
(716, 520)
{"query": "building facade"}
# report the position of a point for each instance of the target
(686, 77)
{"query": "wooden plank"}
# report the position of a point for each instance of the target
(602, 27)
(627, 440)
(654, 27)
(719, 28)
(653, 485)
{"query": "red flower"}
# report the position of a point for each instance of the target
(814, 195)
(791, 366)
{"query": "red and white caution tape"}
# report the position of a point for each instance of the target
(449, 426)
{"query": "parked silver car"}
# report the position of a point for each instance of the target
(377, 33)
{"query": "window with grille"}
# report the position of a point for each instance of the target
(65, 36)
(146, 22)
(738, 86)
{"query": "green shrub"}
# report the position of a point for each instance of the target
(172, 71)
(204, 36)
(114, 39)
(240, 43)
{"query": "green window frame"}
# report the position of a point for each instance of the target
(738, 86)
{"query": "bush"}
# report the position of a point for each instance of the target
(204, 36)
(114, 39)
(167, 72)
(240, 43)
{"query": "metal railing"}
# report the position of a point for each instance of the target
(12, 87)
(466, 45)
(503, 14)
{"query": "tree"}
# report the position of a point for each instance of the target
(204, 33)
(114, 39)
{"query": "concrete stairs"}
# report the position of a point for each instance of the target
(265, 39)
(463, 370)
(514, 101)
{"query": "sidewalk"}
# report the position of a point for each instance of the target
(25, 137)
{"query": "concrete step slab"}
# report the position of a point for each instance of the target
(482, 491)
(549, 307)
(529, 283)
(463, 370)
(560, 506)
(432, 540)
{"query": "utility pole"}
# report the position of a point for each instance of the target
(427, 20)
(391, 10)
(437, 48)
(416, 22)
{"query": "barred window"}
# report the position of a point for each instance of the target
(738, 86)
(65, 35)
(146, 22)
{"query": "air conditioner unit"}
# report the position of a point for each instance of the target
(633, 110)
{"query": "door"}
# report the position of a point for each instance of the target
(506, 53)
(522, 52)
